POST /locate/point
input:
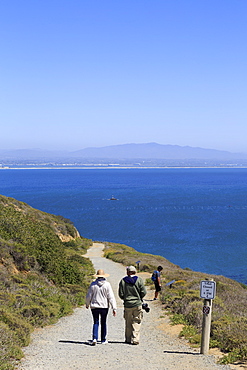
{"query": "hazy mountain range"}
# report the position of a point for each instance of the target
(125, 151)
(155, 151)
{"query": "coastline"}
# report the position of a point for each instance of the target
(66, 167)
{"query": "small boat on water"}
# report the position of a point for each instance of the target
(113, 198)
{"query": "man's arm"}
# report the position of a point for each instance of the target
(142, 289)
(158, 279)
(121, 290)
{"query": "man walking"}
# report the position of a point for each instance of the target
(157, 281)
(131, 291)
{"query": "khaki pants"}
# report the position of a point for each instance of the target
(133, 317)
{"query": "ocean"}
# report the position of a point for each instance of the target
(196, 218)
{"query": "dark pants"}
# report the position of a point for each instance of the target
(157, 287)
(102, 313)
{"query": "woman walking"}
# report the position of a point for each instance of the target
(99, 298)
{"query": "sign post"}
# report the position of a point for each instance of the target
(138, 265)
(170, 283)
(207, 291)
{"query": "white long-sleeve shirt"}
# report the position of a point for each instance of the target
(100, 295)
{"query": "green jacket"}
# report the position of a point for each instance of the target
(131, 291)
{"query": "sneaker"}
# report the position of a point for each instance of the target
(135, 343)
(94, 342)
(104, 342)
(155, 299)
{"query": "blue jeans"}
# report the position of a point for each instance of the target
(102, 313)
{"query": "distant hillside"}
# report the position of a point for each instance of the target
(42, 273)
(155, 151)
(145, 151)
(27, 154)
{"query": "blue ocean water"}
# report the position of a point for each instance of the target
(196, 218)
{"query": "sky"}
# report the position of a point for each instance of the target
(77, 74)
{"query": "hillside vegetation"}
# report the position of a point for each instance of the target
(43, 274)
(182, 301)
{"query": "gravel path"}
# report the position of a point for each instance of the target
(65, 345)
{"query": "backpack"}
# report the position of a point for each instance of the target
(154, 276)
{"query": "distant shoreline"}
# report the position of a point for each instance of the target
(119, 167)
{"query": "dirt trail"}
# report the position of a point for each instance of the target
(66, 345)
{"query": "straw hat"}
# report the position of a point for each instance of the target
(101, 273)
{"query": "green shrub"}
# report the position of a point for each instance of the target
(16, 352)
(243, 285)
(238, 354)
(36, 315)
(145, 267)
(188, 331)
(177, 319)
(79, 244)
(20, 328)
(230, 332)
(7, 342)
(149, 282)
(65, 306)
(195, 340)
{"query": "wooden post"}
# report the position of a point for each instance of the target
(206, 326)
(138, 265)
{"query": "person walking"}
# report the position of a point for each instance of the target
(157, 281)
(132, 290)
(99, 298)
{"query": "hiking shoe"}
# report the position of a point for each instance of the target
(94, 342)
(104, 342)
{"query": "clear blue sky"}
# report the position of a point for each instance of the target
(79, 73)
